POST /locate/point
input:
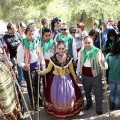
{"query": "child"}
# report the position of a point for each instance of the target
(29, 57)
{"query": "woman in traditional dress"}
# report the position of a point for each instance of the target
(63, 97)
(8, 101)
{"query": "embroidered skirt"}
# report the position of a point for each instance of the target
(63, 97)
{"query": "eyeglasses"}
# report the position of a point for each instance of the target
(63, 29)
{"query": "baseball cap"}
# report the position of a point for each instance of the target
(30, 22)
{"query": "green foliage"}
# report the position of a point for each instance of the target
(88, 10)
(17, 10)
(70, 11)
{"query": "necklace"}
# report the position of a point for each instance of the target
(60, 55)
(61, 59)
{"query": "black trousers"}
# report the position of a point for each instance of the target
(34, 77)
(96, 84)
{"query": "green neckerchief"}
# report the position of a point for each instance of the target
(47, 47)
(91, 54)
(65, 39)
(110, 45)
(29, 46)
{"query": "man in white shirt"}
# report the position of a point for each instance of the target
(48, 45)
(48, 49)
(90, 62)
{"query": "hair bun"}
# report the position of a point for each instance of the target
(59, 42)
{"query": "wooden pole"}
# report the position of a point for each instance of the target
(103, 76)
(24, 100)
(38, 92)
(26, 57)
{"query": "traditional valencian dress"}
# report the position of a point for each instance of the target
(63, 97)
(8, 102)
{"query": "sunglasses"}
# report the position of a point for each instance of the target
(63, 29)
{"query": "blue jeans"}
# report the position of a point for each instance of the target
(114, 97)
(18, 69)
(20, 74)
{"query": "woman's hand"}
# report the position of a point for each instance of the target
(39, 72)
(78, 79)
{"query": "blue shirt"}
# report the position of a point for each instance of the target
(104, 36)
(97, 43)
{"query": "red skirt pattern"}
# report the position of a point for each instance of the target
(60, 114)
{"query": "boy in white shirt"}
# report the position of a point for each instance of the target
(29, 56)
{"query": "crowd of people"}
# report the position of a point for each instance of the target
(62, 57)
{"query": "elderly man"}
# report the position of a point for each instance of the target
(90, 62)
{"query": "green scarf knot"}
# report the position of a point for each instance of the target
(29, 46)
(48, 46)
(110, 45)
(91, 54)
(66, 38)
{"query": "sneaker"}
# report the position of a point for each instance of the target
(107, 87)
(82, 91)
(23, 84)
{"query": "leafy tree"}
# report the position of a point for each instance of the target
(69, 11)
(87, 10)
(17, 10)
